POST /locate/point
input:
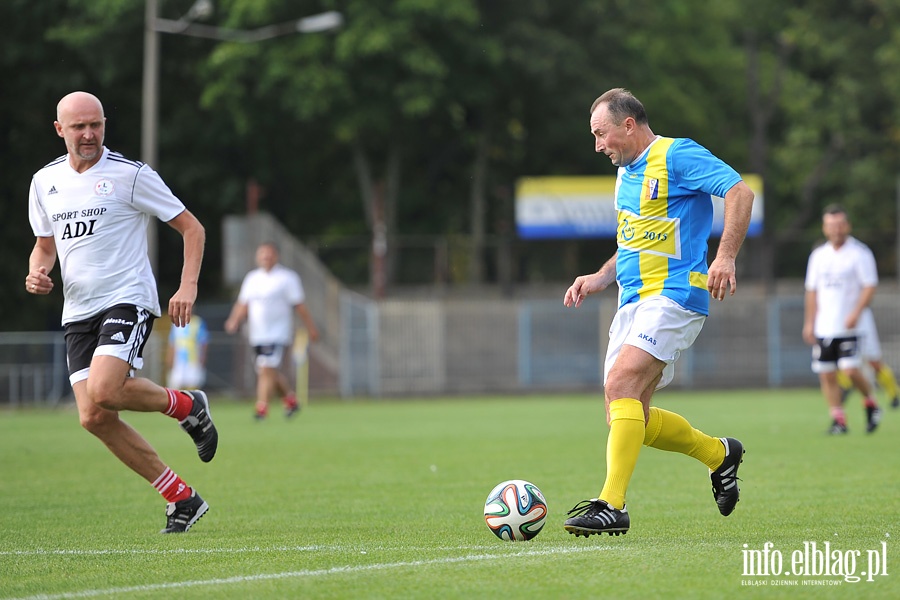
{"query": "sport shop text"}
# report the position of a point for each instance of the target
(816, 560)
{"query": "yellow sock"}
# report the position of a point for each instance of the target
(886, 380)
(626, 430)
(671, 432)
(844, 381)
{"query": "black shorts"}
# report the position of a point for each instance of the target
(120, 331)
(830, 354)
(270, 356)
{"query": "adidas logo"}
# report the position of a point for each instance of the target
(118, 337)
(52, 190)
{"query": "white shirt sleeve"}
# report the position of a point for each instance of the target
(37, 216)
(811, 279)
(153, 196)
(246, 286)
(868, 271)
(295, 290)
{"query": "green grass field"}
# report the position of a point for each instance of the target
(383, 499)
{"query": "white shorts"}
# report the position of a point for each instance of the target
(187, 377)
(657, 325)
(869, 344)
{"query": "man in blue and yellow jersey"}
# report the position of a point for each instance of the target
(186, 355)
(664, 195)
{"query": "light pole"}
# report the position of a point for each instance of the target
(153, 26)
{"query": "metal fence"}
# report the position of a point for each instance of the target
(462, 346)
(32, 368)
(398, 347)
(401, 347)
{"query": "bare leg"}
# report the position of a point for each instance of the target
(860, 381)
(634, 375)
(830, 389)
(282, 385)
(266, 387)
(121, 439)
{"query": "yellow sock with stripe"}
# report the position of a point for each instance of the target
(844, 381)
(885, 378)
(671, 432)
(626, 432)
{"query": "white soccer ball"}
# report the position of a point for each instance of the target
(515, 510)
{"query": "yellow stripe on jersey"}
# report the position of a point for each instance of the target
(657, 235)
(655, 203)
(698, 279)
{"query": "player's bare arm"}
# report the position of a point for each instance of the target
(865, 298)
(238, 315)
(308, 322)
(40, 263)
(810, 307)
(738, 205)
(181, 305)
(586, 285)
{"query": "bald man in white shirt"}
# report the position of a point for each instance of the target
(90, 208)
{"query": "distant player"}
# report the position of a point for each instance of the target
(664, 192)
(186, 355)
(270, 295)
(841, 280)
(91, 208)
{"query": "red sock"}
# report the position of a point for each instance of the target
(180, 404)
(869, 402)
(839, 416)
(290, 401)
(171, 486)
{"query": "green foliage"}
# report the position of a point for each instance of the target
(384, 499)
(802, 92)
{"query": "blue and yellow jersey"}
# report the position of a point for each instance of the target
(665, 215)
(188, 341)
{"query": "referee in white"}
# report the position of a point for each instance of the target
(91, 207)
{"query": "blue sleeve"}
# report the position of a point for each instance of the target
(696, 168)
(202, 333)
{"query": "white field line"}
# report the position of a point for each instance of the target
(306, 573)
(158, 551)
(244, 550)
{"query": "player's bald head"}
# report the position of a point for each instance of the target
(77, 102)
(80, 122)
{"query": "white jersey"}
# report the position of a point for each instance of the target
(99, 221)
(271, 297)
(838, 276)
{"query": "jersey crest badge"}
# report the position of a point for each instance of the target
(104, 187)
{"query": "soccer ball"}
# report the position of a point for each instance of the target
(515, 510)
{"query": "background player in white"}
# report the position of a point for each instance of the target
(269, 297)
(91, 207)
(841, 280)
